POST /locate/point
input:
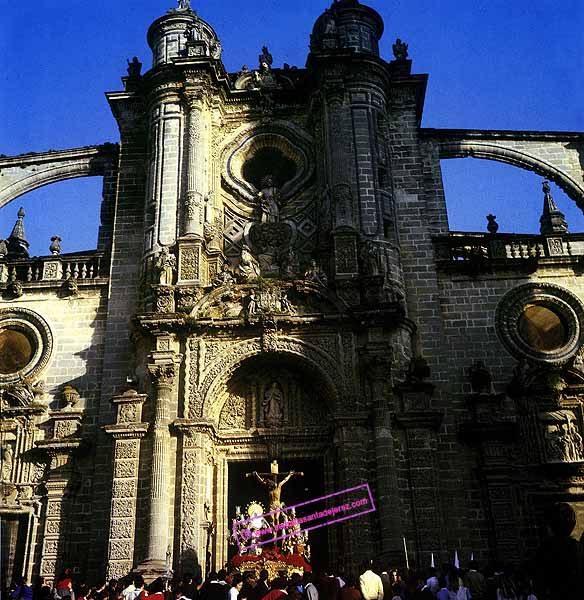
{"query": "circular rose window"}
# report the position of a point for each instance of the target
(16, 351)
(542, 328)
(542, 322)
(26, 344)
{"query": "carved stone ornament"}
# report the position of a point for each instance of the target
(70, 286)
(162, 374)
(164, 299)
(22, 394)
(70, 396)
(266, 297)
(563, 440)
(233, 414)
(15, 289)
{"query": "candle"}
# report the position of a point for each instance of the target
(406, 553)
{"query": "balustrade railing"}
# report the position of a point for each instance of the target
(88, 266)
(461, 247)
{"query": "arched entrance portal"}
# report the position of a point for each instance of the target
(275, 406)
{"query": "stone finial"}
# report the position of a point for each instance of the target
(17, 242)
(134, 68)
(552, 220)
(265, 59)
(3, 248)
(55, 247)
(400, 50)
(492, 225)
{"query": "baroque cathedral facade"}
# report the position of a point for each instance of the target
(275, 279)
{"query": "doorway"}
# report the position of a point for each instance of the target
(242, 490)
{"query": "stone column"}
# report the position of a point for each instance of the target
(127, 433)
(389, 516)
(198, 490)
(163, 369)
(194, 202)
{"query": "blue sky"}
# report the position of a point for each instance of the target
(492, 64)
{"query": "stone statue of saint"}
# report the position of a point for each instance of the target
(166, 265)
(371, 259)
(269, 198)
(400, 50)
(249, 267)
(7, 460)
(315, 273)
(265, 59)
(184, 5)
(134, 67)
(273, 405)
(224, 277)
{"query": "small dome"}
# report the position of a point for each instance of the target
(168, 37)
(347, 25)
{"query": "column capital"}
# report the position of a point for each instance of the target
(163, 367)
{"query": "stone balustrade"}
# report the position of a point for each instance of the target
(462, 247)
(87, 266)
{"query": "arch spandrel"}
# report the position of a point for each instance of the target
(207, 399)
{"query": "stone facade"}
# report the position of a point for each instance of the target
(281, 234)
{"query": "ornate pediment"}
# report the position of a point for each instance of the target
(267, 297)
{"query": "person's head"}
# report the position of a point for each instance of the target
(294, 593)
(212, 576)
(308, 577)
(279, 583)
(138, 581)
(264, 575)
(365, 566)
(156, 586)
(295, 579)
(237, 581)
(222, 575)
(474, 565)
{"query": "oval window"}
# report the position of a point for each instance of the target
(16, 351)
(542, 329)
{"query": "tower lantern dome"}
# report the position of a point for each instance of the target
(181, 32)
(347, 25)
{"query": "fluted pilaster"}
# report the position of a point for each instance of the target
(162, 371)
(194, 202)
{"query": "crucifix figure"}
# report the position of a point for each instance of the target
(270, 480)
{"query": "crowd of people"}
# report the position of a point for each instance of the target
(372, 583)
